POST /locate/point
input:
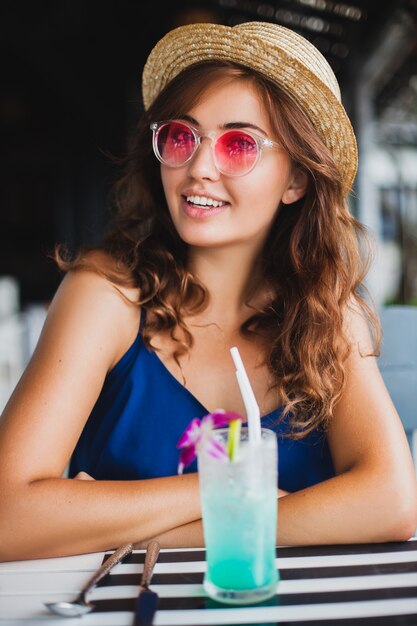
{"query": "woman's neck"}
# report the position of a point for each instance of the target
(231, 277)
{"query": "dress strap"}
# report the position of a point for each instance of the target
(142, 320)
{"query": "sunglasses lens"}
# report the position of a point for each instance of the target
(175, 143)
(236, 152)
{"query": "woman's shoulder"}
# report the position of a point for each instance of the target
(96, 300)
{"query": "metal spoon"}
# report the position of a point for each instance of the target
(81, 605)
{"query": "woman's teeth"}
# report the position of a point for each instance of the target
(204, 201)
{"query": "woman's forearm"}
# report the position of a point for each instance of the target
(54, 516)
(354, 507)
(185, 536)
(351, 508)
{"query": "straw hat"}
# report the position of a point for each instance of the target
(279, 53)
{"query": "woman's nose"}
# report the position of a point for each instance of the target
(202, 164)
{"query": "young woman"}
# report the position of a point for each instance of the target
(238, 233)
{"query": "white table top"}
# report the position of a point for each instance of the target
(376, 583)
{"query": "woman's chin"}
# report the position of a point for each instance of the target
(204, 241)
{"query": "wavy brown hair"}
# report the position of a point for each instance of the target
(313, 261)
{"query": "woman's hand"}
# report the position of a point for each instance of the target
(83, 476)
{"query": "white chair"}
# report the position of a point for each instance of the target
(19, 333)
(12, 356)
(398, 365)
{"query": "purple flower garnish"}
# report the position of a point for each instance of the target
(199, 436)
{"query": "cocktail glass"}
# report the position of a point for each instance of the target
(239, 503)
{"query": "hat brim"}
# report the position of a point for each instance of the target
(286, 60)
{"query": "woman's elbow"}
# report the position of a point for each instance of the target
(401, 521)
(406, 523)
(9, 550)
(15, 525)
(403, 529)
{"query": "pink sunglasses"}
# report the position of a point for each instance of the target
(235, 152)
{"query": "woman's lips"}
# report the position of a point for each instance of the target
(198, 211)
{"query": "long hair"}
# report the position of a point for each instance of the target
(313, 262)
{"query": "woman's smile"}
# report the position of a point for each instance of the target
(203, 206)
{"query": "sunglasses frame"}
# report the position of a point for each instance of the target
(214, 135)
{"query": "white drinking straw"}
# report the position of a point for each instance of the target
(249, 400)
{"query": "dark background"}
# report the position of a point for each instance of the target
(70, 97)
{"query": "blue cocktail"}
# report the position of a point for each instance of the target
(239, 501)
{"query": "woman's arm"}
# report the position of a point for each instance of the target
(186, 536)
(88, 328)
(374, 495)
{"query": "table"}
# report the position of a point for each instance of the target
(366, 585)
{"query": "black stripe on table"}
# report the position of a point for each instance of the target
(183, 578)
(374, 569)
(344, 549)
(177, 578)
(387, 620)
(191, 556)
(290, 599)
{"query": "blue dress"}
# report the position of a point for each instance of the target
(143, 410)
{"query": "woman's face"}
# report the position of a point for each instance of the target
(251, 201)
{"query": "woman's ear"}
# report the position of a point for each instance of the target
(297, 187)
